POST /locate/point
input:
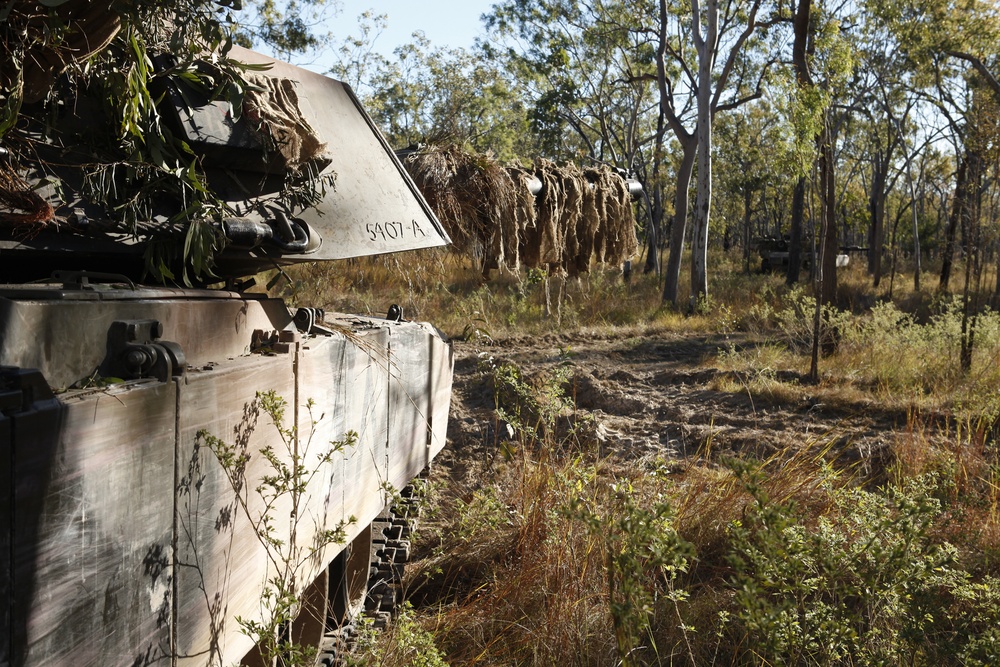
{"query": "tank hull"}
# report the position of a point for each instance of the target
(121, 539)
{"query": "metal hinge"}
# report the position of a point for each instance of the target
(135, 351)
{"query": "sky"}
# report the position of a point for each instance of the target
(447, 23)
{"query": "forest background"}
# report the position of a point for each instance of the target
(697, 463)
(854, 117)
(869, 128)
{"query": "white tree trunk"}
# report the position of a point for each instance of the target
(706, 46)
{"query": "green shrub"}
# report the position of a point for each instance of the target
(404, 644)
(865, 584)
(644, 559)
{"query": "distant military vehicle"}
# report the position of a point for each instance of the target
(774, 254)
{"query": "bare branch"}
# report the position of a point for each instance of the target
(980, 67)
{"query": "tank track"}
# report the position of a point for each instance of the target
(390, 551)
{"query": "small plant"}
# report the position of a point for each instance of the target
(275, 515)
(644, 557)
(404, 644)
(475, 331)
(529, 406)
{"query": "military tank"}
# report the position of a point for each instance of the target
(125, 539)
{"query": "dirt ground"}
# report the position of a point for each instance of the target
(654, 396)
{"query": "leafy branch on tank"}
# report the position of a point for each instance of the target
(110, 91)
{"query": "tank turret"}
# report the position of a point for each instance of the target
(293, 170)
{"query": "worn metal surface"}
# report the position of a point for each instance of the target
(65, 337)
(416, 388)
(347, 379)
(128, 545)
(221, 565)
(91, 530)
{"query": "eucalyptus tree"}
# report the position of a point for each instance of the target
(981, 141)
(291, 29)
(679, 67)
(434, 94)
(356, 60)
(723, 35)
(933, 31)
(952, 48)
(677, 89)
(444, 95)
(755, 161)
(956, 93)
(885, 99)
(583, 65)
(822, 63)
(803, 49)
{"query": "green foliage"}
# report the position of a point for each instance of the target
(805, 105)
(404, 644)
(136, 163)
(482, 515)
(436, 95)
(866, 583)
(645, 556)
(929, 32)
(755, 160)
(590, 73)
(901, 355)
(275, 505)
(792, 318)
(530, 407)
(286, 28)
(891, 352)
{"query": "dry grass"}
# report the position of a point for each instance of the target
(518, 585)
(449, 290)
(518, 577)
(533, 590)
(899, 357)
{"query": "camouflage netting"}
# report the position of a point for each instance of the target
(271, 105)
(34, 56)
(60, 110)
(20, 206)
(579, 217)
(474, 197)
